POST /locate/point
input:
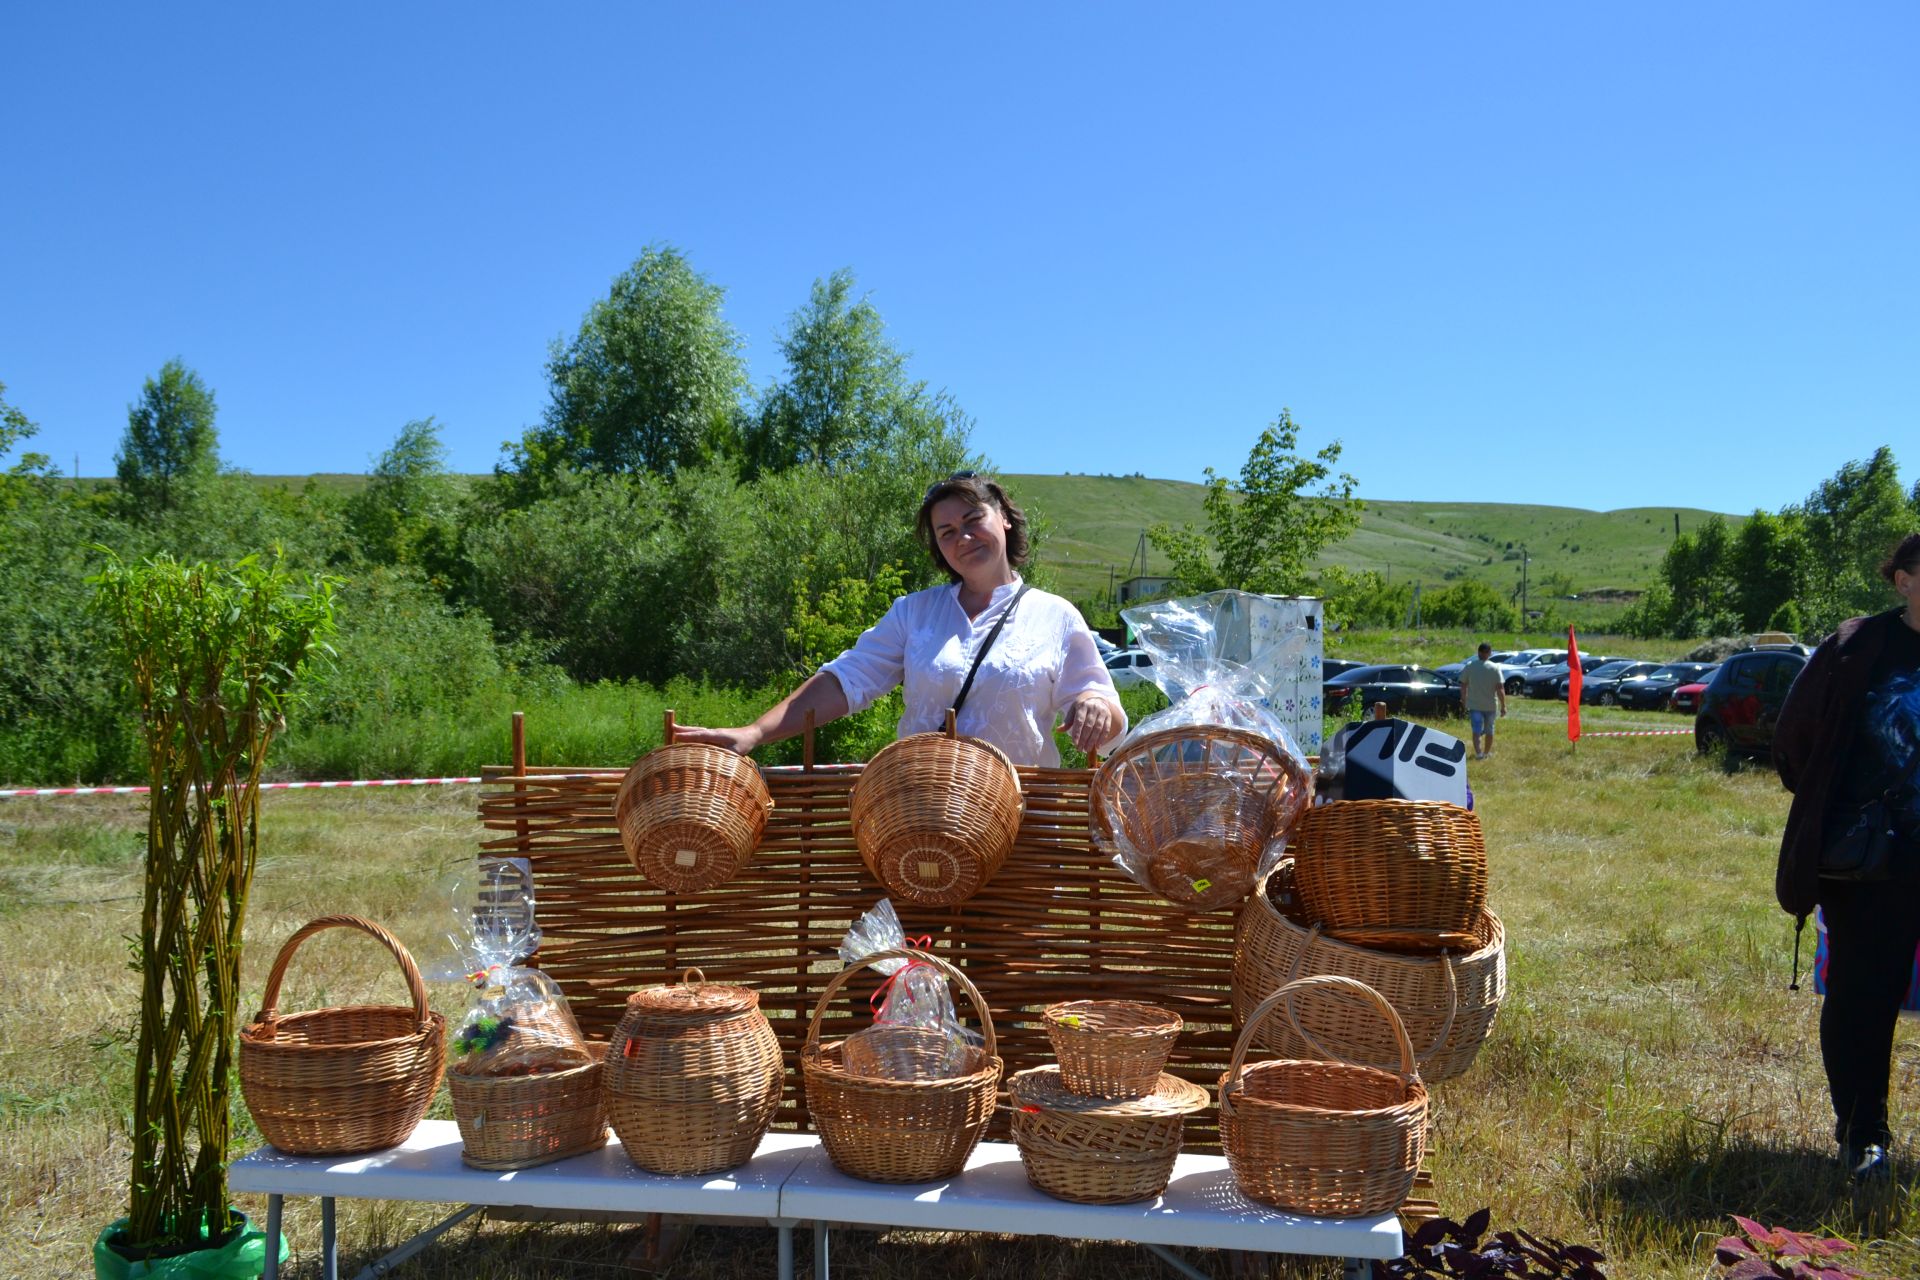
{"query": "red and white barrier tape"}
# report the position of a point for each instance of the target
(1635, 733)
(265, 786)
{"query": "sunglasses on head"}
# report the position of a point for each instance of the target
(937, 484)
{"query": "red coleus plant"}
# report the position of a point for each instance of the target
(1766, 1253)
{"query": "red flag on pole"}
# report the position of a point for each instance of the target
(1574, 676)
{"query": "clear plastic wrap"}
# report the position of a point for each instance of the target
(916, 1032)
(517, 1022)
(1197, 800)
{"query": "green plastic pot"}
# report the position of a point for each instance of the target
(241, 1253)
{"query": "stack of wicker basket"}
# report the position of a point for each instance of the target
(1391, 893)
(1103, 1126)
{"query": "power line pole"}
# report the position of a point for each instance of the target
(1523, 586)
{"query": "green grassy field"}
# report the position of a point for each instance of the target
(1648, 1075)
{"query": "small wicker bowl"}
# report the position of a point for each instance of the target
(1111, 1048)
(1098, 1150)
(516, 1122)
(691, 815)
(935, 816)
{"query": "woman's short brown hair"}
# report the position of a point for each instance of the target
(1905, 558)
(978, 492)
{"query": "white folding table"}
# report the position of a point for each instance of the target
(1200, 1208)
(790, 1181)
(426, 1167)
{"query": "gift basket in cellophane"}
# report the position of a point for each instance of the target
(1198, 800)
(527, 1086)
(907, 1098)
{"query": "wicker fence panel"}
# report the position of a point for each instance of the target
(1058, 922)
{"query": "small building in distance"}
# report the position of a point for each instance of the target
(1143, 588)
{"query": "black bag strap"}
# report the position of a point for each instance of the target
(984, 646)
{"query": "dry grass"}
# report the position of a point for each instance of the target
(1649, 1075)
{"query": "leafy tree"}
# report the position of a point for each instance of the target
(651, 382)
(406, 512)
(1365, 598)
(846, 400)
(1469, 603)
(15, 427)
(1767, 565)
(1263, 533)
(826, 626)
(1851, 520)
(170, 444)
(1695, 568)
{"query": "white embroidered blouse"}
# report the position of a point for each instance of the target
(1041, 662)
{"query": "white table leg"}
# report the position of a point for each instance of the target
(329, 1243)
(272, 1269)
(819, 1251)
(786, 1249)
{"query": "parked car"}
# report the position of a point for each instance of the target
(1601, 686)
(1686, 698)
(1130, 667)
(1542, 680)
(1527, 662)
(1106, 647)
(1409, 689)
(1651, 691)
(1742, 702)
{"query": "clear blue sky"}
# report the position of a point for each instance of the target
(1504, 252)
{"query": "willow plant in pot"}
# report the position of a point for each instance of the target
(212, 654)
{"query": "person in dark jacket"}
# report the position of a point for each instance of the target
(1850, 734)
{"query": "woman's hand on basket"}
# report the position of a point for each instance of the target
(742, 740)
(1092, 720)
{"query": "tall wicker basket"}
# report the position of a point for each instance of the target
(341, 1080)
(1334, 1139)
(691, 815)
(935, 815)
(1446, 1001)
(693, 1076)
(1196, 806)
(1399, 874)
(915, 1130)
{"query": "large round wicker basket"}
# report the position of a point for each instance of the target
(1196, 806)
(693, 1076)
(516, 1122)
(935, 816)
(691, 815)
(1446, 1001)
(1334, 1139)
(341, 1080)
(893, 1130)
(1400, 874)
(1099, 1150)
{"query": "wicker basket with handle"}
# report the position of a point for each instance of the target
(1099, 1150)
(1334, 1139)
(693, 1076)
(1397, 874)
(1446, 1001)
(1111, 1048)
(889, 1130)
(516, 1122)
(691, 815)
(935, 815)
(337, 1081)
(1196, 806)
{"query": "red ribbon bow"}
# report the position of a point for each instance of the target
(925, 943)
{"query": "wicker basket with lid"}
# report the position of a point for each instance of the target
(693, 1076)
(1099, 1150)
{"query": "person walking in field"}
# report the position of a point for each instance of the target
(1483, 695)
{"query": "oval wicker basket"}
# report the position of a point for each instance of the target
(342, 1080)
(1397, 874)
(1334, 1139)
(516, 1122)
(1196, 806)
(935, 816)
(691, 815)
(899, 1130)
(1447, 1002)
(1099, 1150)
(1111, 1048)
(693, 1076)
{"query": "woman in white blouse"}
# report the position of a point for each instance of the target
(1041, 665)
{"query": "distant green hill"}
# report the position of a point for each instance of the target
(1092, 524)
